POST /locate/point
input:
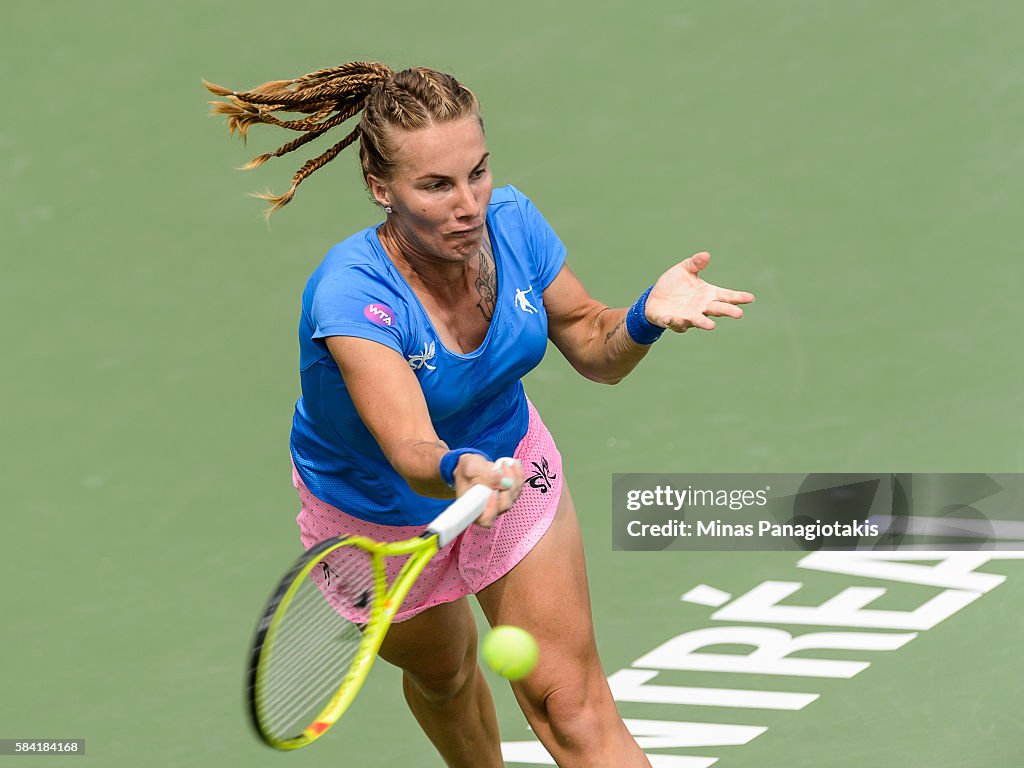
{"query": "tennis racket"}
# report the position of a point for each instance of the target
(326, 620)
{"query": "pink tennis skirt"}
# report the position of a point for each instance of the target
(477, 558)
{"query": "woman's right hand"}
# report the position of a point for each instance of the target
(505, 476)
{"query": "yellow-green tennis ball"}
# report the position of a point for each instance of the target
(510, 651)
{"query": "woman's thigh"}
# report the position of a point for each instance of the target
(434, 646)
(547, 594)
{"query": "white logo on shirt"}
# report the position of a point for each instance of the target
(523, 303)
(419, 361)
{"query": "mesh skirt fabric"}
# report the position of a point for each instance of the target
(478, 557)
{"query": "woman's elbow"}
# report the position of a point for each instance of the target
(600, 378)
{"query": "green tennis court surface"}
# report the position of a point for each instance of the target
(855, 165)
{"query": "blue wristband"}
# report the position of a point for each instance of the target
(451, 459)
(639, 328)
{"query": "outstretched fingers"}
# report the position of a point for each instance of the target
(723, 309)
(681, 299)
(681, 324)
(733, 297)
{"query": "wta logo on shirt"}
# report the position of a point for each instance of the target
(381, 314)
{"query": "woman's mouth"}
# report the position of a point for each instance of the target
(465, 232)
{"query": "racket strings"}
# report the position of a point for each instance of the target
(317, 639)
(309, 660)
(308, 619)
(289, 666)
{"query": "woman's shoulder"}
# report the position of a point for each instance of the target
(511, 210)
(355, 266)
(356, 292)
(358, 253)
(506, 195)
(509, 207)
(521, 228)
(358, 248)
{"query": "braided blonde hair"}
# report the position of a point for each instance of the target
(411, 99)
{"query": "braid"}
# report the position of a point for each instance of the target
(309, 135)
(402, 107)
(309, 167)
(408, 100)
(329, 97)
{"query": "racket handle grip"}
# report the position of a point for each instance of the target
(460, 514)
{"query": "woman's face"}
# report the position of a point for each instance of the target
(439, 190)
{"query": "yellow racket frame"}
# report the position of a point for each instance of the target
(382, 610)
(386, 601)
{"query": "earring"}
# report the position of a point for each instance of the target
(387, 209)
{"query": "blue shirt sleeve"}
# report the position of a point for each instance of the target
(547, 249)
(355, 301)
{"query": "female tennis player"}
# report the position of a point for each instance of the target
(414, 334)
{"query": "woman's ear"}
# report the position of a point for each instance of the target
(378, 189)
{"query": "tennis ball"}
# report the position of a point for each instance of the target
(510, 651)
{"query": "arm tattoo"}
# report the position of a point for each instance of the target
(614, 330)
(487, 279)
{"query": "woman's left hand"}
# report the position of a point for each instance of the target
(681, 300)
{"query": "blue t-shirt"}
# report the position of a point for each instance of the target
(475, 399)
